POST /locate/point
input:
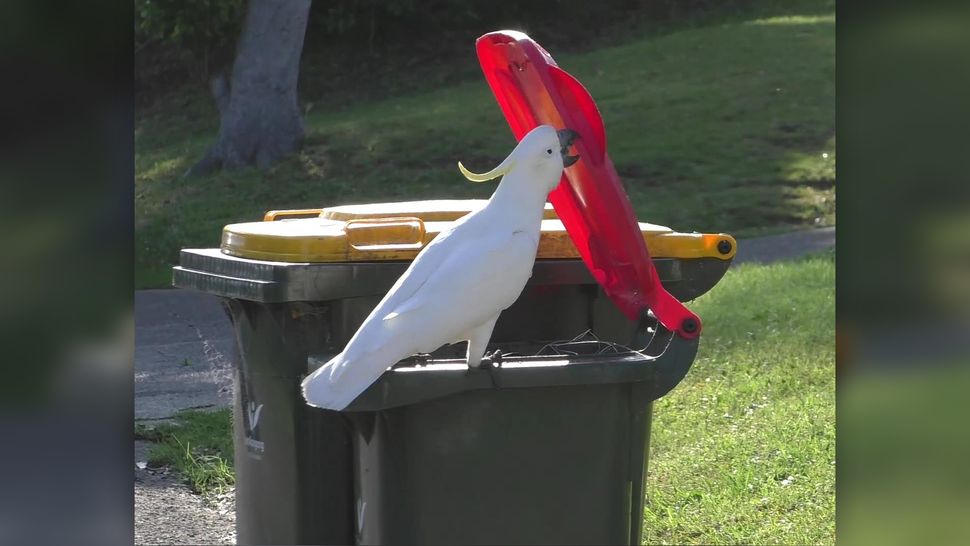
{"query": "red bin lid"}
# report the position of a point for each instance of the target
(532, 90)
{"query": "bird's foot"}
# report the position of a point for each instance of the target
(494, 359)
(488, 361)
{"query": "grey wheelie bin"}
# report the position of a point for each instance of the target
(547, 444)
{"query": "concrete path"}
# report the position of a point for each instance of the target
(183, 348)
(785, 246)
(183, 343)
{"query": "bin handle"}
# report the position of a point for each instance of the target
(357, 234)
(287, 214)
(654, 340)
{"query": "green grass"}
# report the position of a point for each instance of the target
(726, 126)
(743, 450)
(198, 444)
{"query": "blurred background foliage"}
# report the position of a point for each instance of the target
(183, 38)
(189, 41)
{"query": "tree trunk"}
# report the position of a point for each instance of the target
(259, 115)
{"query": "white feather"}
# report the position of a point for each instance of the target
(457, 285)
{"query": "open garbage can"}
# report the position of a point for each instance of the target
(546, 446)
(539, 449)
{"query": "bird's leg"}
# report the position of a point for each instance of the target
(477, 342)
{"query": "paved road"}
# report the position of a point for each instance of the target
(183, 340)
(785, 246)
(183, 343)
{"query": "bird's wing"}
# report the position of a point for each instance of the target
(477, 280)
(470, 281)
(417, 274)
(425, 263)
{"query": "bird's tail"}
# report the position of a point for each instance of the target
(321, 390)
(338, 382)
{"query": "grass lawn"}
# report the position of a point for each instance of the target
(198, 444)
(727, 125)
(743, 450)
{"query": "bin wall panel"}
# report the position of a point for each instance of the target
(437, 471)
(292, 479)
(551, 465)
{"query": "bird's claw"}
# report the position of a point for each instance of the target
(495, 358)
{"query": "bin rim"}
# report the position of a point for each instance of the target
(662, 364)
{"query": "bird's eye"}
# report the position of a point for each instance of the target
(549, 151)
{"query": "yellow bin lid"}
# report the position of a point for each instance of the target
(398, 231)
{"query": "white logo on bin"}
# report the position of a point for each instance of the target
(254, 446)
(254, 412)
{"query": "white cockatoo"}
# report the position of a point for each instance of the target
(458, 284)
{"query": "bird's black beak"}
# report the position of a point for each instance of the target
(566, 138)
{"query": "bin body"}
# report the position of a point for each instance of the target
(543, 449)
(294, 464)
(304, 474)
(548, 465)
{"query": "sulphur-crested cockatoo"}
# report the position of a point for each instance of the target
(456, 287)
